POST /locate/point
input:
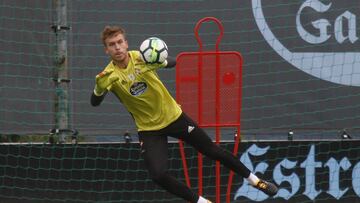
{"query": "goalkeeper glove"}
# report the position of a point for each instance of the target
(102, 81)
(164, 64)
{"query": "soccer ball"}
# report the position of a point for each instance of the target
(153, 50)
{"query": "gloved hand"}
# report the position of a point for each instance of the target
(164, 64)
(104, 80)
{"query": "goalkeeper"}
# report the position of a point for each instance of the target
(157, 116)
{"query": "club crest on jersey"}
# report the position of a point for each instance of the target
(138, 88)
(131, 77)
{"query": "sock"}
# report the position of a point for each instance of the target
(202, 200)
(253, 179)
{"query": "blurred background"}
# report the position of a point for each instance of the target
(277, 97)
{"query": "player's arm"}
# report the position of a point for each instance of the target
(96, 100)
(103, 80)
(171, 62)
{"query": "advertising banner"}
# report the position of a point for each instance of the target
(326, 171)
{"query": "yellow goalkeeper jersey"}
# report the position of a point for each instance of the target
(142, 93)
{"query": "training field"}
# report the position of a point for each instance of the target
(277, 80)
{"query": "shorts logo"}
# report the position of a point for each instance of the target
(190, 128)
(138, 88)
(319, 29)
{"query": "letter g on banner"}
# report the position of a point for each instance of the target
(321, 24)
(337, 67)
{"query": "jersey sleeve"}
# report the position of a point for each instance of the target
(109, 67)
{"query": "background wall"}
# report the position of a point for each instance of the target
(277, 96)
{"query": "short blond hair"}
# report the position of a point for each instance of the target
(110, 31)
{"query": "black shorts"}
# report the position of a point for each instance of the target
(154, 146)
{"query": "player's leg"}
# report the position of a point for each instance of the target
(198, 138)
(154, 149)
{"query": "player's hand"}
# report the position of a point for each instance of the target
(164, 64)
(104, 80)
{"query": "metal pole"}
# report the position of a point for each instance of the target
(61, 71)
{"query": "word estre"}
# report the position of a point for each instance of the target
(308, 167)
(337, 67)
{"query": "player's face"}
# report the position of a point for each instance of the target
(116, 47)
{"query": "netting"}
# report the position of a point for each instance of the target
(291, 81)
(82, 173)
(26, 65)
(305, 171)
